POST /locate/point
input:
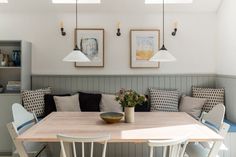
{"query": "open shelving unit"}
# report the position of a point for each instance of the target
(20, 73)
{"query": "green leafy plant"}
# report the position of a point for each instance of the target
(129, 98)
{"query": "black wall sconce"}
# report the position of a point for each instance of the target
(175, 29)
(118, 30)
(63, 33)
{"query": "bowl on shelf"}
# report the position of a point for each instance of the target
(111, 117)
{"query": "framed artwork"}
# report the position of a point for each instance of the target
(144, 43)
(91, 42)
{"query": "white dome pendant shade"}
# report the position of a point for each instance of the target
(76, 55)
(163, 55)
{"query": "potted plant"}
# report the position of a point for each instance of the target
(128, 100)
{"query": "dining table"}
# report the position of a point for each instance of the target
(147, 126)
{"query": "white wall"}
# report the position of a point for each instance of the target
(194, 45)
(226, 54)
(226, 63)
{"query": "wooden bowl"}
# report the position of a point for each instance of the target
(111, 117)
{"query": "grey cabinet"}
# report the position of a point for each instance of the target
(6, 100)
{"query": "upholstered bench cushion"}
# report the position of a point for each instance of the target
(89, 102)
(109, 104)
(213, 96)
(232, 125)
(50, 105)
(67, 103)
(192, 106)
(164, 100)
(33, 100)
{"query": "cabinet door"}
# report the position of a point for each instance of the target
(6, 101)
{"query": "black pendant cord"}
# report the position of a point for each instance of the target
(163, 20)
(163, 23)
(76, 14)
(76, 22)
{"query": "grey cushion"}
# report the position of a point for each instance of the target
(192, 106)
(67, 103)
(33, 100)
(213, 96)
(164, 100)
(109, 104)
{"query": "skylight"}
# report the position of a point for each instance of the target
(79, 1)
(168, 1)
(3, 1)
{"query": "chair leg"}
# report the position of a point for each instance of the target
(68, 150)
(151, 152)
(215, 149)
(164, 152)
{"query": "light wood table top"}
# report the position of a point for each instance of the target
(148, 125)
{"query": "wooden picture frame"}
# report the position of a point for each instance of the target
(91, 42)
(144, 43)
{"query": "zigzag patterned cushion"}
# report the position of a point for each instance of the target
(164, 100)
(33, 100)
(213, 96)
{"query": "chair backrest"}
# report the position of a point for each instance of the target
(176, 146)
(22, 120)
(69, 139)
(22, 117)
(215, 117)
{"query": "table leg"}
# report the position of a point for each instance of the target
(68, 150)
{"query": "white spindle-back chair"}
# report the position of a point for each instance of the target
(23, 120)
(73, 140)
(173, 147)
(214, 119)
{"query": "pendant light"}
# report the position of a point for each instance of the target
(76, 55)
(163, 55)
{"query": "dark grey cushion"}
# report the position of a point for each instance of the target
(89, 102)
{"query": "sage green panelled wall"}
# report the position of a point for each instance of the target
(229, 83)
(111, 84)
